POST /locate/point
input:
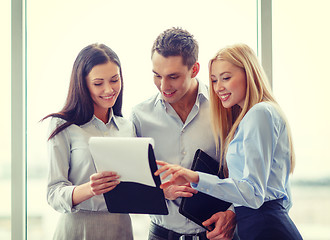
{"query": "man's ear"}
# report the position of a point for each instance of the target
(195, 69)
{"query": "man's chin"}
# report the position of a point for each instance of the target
(170, 100)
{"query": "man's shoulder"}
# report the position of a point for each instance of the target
(122, 121)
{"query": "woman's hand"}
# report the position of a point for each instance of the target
(180, 175)
(103, 182)
(99, 183)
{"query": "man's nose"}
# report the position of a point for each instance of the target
(164, 84)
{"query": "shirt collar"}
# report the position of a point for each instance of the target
(203, 90)
(160, 100)
(112, 120)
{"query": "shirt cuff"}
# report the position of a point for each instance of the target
(203, 184)
(76, 208)
(232, 208)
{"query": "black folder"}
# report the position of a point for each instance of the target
(132, 197)
(201, 206)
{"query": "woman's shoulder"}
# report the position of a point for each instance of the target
(263, 108)
(264, 111)
(56, 122)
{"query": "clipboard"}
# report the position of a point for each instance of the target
(130, 196)
(201, 206)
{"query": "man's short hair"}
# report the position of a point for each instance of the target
(177, 42)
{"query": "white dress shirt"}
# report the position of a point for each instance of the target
(176, 142)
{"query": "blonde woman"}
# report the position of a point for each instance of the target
(257, 151)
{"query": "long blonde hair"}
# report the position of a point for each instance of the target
(226, 120)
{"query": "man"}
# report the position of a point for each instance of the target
(177, 118)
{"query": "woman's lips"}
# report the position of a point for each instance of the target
(108, 97)
(224, 97)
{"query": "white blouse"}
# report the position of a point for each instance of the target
(71, 163)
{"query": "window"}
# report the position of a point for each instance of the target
(57, 32)
(301, 84)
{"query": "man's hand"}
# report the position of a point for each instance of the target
(225, 224)
(174, 191)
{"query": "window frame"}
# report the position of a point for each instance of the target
(18, 123)
(18, 102)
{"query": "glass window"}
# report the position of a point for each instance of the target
(5, 140)
(301, 84)
(58, 31)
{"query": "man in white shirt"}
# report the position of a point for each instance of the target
(177, 118)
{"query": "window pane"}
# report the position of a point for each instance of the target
(57, 32)
(5, 140)
(301, 84)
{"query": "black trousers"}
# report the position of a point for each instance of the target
(269, 222)
(159, 233)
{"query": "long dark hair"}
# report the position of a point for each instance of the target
(79, 107)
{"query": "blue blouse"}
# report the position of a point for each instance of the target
(258, 160)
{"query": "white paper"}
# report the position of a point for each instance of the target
(127, 156)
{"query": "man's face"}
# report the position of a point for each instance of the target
(172, 78)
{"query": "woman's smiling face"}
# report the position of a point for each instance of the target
(104, 86)
(229, 83)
